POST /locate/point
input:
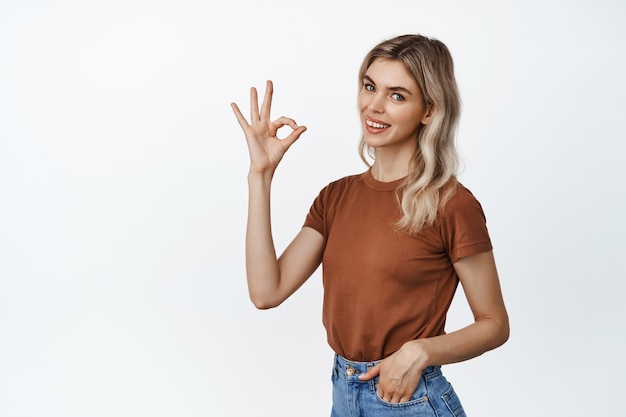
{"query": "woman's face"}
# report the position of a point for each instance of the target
(391, 106)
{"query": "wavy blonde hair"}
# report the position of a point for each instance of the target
(432, 172)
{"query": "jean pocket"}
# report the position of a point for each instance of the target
(417, 399)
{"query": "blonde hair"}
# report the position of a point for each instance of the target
(435, 161)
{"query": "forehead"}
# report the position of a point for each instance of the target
(391, 73)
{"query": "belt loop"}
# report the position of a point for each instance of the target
(372, 382)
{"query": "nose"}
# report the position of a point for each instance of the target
(375, 104)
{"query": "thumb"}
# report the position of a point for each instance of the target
(371, 373)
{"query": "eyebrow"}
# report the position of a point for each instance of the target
(369, 80)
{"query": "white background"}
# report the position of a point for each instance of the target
(123, 199)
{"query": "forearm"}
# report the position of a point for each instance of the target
(262, 269)
(481, 336)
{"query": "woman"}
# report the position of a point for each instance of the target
(394, 240)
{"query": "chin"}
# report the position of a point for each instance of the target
(371, 143)
(375, 141)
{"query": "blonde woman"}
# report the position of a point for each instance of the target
(394, 241)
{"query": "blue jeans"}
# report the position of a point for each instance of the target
(434, 396)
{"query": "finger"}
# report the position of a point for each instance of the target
(284, 121)
(267, 100)
(392, 396)
(370, 373)
(240, 117)
(395, 394)
(254, 105)
(397, 398)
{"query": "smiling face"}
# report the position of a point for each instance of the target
(391, 106)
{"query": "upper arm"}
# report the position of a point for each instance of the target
(479, 277)
(299, 261)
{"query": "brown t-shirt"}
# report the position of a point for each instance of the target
(383, 288)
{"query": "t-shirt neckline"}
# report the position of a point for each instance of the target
(374, 184)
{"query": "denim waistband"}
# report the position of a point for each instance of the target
(350, 368)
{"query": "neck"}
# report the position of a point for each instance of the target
(391, 164)
(387, 170)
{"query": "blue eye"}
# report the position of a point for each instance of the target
(369, 87)
(397, 97)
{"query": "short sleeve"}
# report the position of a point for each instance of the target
(463, 226)
(315, 217)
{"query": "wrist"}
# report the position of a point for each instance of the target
(418, 351)
(259, 176)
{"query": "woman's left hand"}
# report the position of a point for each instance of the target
(400, 373)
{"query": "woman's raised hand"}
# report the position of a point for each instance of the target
(266, 149)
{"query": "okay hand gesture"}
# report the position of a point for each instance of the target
(266, 149)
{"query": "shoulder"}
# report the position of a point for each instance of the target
(461, 209)
(462, 224)
(328, 200)
(460, 199)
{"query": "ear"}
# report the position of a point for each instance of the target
(429, 114)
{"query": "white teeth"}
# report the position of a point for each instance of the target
(376, 125)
